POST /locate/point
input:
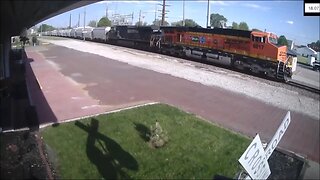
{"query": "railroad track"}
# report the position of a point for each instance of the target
(303, 86)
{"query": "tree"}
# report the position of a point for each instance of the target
(282, 41)
(188, 23)
(243, 26)
(235, 25)
(92, 23)
(157, 22)
(103, 22)
(315, 46)
(45, 27)
(217, 20)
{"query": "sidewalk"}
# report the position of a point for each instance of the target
(53, 103)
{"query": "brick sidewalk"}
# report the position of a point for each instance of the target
(55, 97)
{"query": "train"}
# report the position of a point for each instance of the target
(253, 51)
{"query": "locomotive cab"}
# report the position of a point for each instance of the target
(285, 61)
(265, 46)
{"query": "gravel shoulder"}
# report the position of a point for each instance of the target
(269, 92)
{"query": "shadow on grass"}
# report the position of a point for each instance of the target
(107, 154)
(143, 130)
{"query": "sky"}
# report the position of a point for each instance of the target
(280, 17)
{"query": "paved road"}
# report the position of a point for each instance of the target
(307, 75)
(108, 84)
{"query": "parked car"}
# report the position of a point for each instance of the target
(316, 65)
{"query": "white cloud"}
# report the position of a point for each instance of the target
(256, 6)
(222, 3)
(289, 22)
(132, 2)
(219, 3)
(139, 2)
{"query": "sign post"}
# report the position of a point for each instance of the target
(278, 135)
(255, 158)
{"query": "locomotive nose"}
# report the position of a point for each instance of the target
(282, 53)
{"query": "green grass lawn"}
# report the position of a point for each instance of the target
(302, 59)
(115, 146)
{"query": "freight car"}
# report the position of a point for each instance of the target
(100, 34)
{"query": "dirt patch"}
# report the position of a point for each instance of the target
(21, 157)
(285, 166)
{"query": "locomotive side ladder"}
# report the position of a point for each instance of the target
(281, 71)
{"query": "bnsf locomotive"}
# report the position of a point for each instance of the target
(245, 50)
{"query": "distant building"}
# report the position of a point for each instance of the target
(306, 51)
(118, 19)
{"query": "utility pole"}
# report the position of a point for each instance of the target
(132, 18)
(183, 21)
(139, 18)
(107, 11)
(70, 21)
(208, 14)
(79, 20)
(41, 29)
(155, 13)
(163, 12)
(84, 23)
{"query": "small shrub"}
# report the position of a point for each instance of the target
(158, 137)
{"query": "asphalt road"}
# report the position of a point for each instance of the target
(307, 75)
(107, 84)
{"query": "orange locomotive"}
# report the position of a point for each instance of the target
(255, 51)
